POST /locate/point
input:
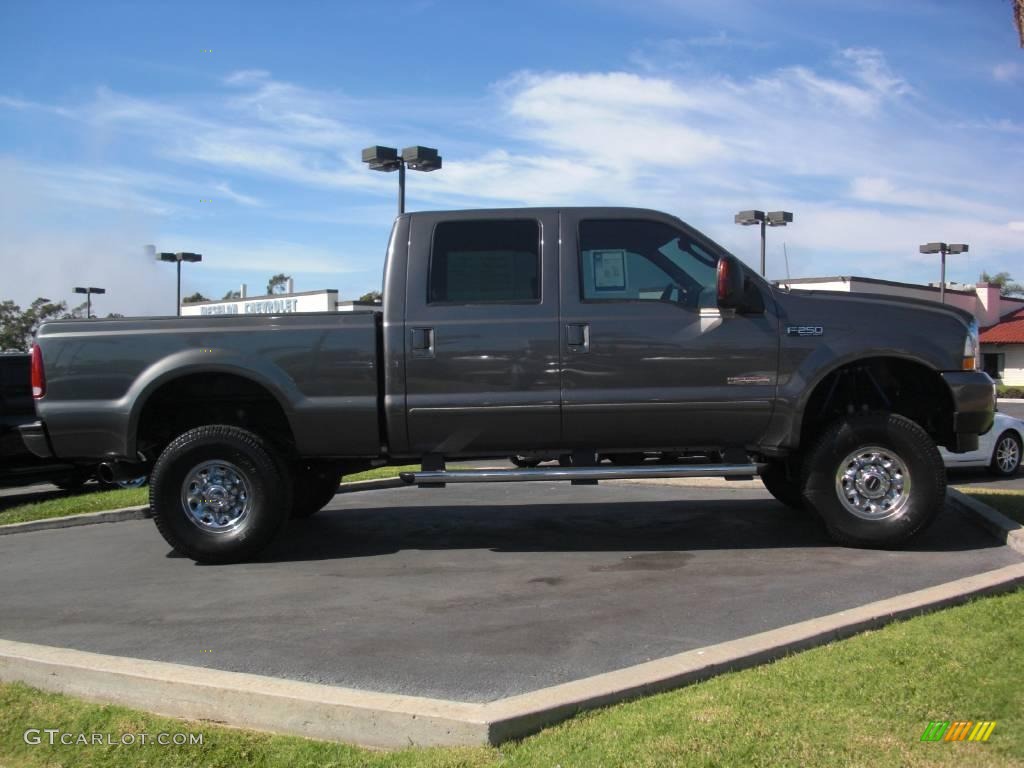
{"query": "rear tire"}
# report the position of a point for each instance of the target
(1006, 455)
(876, 479)
(218, 494)
(313, 487)
(782, 480)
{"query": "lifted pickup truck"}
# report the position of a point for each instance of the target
(581, 332)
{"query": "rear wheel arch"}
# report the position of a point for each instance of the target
(173, 405)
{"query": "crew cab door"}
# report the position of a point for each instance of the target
(481, 332)
(649, 360)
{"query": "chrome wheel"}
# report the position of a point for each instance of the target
(215, 496)
(1007, 456)
(873, 483)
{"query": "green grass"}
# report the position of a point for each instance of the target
(95, 500)
(77, 504)
(1010, 503)
(1006, 390)
(379, 473)
(864, 701)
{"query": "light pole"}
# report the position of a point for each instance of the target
(177, 258)
(88, 298)
(772, 219)
(387, 159)
(943, 248)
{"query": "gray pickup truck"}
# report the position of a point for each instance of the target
(580, 332)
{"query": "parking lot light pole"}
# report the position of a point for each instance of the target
(387, 159)
(771, 219)
(177, 258)
(88, 298)
(943, 249)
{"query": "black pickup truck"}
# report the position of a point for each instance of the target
(581, 332)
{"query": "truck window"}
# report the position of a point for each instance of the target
(485, 261)
(636, 260)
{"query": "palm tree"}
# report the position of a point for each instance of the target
(1018, 18)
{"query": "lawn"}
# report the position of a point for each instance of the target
(1010, 503)
(96, 499)
(864, 701)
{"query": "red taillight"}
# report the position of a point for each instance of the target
(38, 374)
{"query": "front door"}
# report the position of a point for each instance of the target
(649, 360)
(482, 344)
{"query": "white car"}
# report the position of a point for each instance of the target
(999, 449)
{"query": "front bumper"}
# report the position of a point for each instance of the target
(36, 439)
(974, 406)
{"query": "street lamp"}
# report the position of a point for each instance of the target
(772, 219)
(88, 298)
(943, 248)
(177, 258)
(387, 159)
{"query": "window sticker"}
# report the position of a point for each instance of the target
(609, 270)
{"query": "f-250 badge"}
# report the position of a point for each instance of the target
(805, 330)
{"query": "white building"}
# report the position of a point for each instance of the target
(1000, 318)
(325, 300)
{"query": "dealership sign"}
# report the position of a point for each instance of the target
(317, 301)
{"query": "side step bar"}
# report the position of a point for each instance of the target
(435, 477)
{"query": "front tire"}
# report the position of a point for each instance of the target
(218, 494)
(1006, 455)
(782, 480)
(876, 479)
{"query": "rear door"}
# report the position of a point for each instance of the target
(649, 360)
(481, 332)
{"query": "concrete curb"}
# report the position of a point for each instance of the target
(1007, 531)
(140, 513)
(73, 521)
(392, 720)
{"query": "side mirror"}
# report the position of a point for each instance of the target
(729, 280)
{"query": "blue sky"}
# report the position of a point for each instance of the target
(881, 125)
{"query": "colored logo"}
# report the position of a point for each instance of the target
(958, 730)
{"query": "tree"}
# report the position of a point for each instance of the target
(278, 283)
(18, 327)
(194, 298)
(232, 295)
(375, 296)
(76, 313)
(1005, 283)
(1018, 18)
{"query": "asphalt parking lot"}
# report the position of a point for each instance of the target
(470, 593)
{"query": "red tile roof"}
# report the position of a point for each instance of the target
(1008, 331)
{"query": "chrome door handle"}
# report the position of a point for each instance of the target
(577, 337)
(422, 342)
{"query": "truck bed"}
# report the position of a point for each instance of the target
(322, 368)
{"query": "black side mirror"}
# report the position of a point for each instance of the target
(729, 281)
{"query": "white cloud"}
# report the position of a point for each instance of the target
(1007, 71)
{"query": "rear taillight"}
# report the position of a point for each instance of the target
(38, 374)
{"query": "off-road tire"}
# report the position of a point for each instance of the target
(782, 480)
(924, 480)
(313, 487)
(260, 467)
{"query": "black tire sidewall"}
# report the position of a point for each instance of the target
(267, 491)
(785, 488)
(904, 438)
(313, 488)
